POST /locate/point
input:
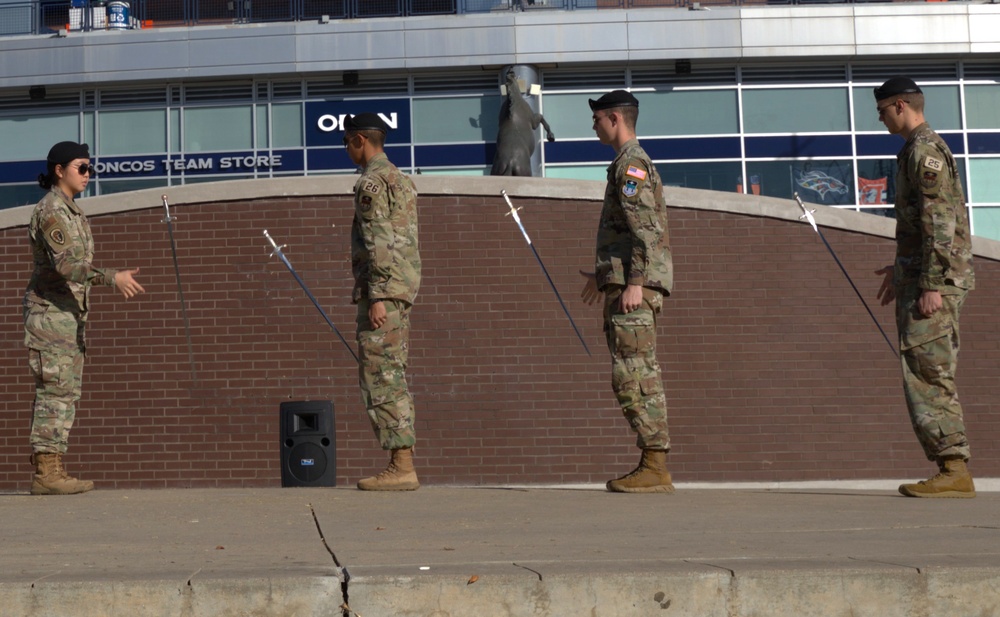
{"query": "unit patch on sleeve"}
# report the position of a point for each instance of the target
(631, 188)
(366, 203)
(371, 187)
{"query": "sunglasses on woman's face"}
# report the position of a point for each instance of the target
(85, 169)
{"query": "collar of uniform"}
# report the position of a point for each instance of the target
(375, 159)
(626, 147)
(70, 203)
(922, 129)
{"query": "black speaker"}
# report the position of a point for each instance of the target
(308, 444)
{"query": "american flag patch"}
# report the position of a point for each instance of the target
(635, 172)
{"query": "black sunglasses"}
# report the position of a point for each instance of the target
(85, 169)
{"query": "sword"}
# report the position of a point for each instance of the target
(169, 220)
(517, 219)
(808, 215)
(288, 264)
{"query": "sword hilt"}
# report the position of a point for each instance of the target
(166, 206)
(277, 249)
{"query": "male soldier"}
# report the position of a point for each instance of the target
(930, 279)
(386, 267)
(635, 271)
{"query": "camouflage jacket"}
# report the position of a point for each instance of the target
(63, 251)
(933, 242)
(384, 255)
(633, 244)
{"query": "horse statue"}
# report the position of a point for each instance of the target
(516, 133)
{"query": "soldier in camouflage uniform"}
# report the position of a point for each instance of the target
(386, 265)
(930, 279)
(55, 312)
(634, 271)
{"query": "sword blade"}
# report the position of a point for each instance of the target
(180, 288)
(534, 251)
(305, 288)
(812, 221)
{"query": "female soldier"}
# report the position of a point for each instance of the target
(55, 311)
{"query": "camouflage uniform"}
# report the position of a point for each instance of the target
(933, 252)
(55, 315)
(386, 267)
(633, 248)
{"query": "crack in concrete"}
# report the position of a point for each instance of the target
(342, 574)
(530, 570)
(732, 573)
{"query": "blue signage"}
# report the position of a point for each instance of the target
(325, 119)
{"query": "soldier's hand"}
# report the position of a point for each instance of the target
(886, 293)
(631, 298)
(929, 302)
(377, 314)
(126, 284)
(590, 293)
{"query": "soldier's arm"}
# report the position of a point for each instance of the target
(639, 204)
(932, 175)
(378, 233)
(68, 253)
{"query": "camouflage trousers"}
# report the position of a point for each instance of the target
(56, 352)
(929, 357)
(382, 374)
(635, 372)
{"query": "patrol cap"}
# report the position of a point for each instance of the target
(613, 99)
(895, 86)
(66, 151)
(366, 122)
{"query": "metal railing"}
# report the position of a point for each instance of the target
(49, 16)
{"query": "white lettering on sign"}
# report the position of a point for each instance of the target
(124, 167)
(329, 123)
(185, 164)
(240, 162)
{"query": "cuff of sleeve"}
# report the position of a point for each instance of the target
(636, 279)
(931, 283)
(110, 276)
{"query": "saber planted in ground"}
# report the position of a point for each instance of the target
(808, 215)
(517, 219)
(288, 264)
(180, 288)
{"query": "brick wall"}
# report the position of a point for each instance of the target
(773, 369)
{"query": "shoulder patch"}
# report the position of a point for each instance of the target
(56, 236)
(635, 172)
(932, 163)
(630, 189)
(371, 187)
(366, 203)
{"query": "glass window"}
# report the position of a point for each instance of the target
(175, 130)
(986, 222)
(569, 115)
(578, 172)
(40, 132)
(818, 182)
(709, 176)
(941, 108)
(89, 130)
(110, 187)
(795, 110)
(876, 181)
(211, 129)
(263, 137)
(139, 131)
(687, 112)
(286, 125)
(982, 107)
(985, 180)
(13, 195)
(463, 119)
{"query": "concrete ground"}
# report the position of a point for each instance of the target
(823, 551)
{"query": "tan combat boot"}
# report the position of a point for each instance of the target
(954, 480)
(51, 479)
(651, 476)
(398, 476)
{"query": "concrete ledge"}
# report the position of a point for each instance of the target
(487, 186)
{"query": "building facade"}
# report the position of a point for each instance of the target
(766, 100)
